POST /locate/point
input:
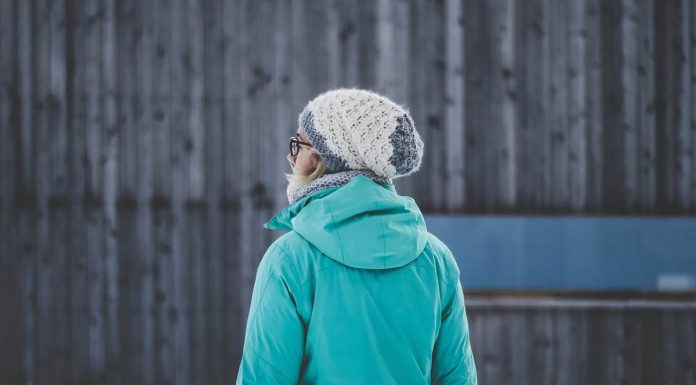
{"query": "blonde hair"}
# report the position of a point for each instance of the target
(297, 180)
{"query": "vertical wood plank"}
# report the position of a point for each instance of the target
(267, 149)
(129, 34)
(577, 104)
(165, 339)
(646, 107)
(300, 55)
(536, 88)
(632, 330)
(161, 198)
(629, 89)
(60, 330)
(110, 122)
(346, 21)
(605, 344)
(214, 279)
(26, 188)
(10, 322)
(385, 37)
(180, 147)
(59, 200)
(545, 148)
(93, 203)
(595, 109)
(651, 366)
(670, 358)
(543, 356)
(367, 44)
(96, 330)
(557, 116)
(489, 130)
(477, 334)
(664, 157)
(196, 208)
(571, 329)
(255, 83)
(505, 100)
(144, 122)
(421, 41)
(92, 91)
(11, 336)
(686, 338)
(692, 85)
(474, 104)
(285, 119)
(454, 127)
(128, 261)
(614, 347)
(27, 242)
(198, 309)
(8, 102)
(331, 36)
(435, 72)
(41, 18)
(194, 75)
(160, 71)
(495, 363)
(522, 157)
(235, 306)
(4, 261)
(670, 112)
(78, 316)
(519, 342)
(683, 109)
(57, 103)
(235, 303)
(131, 269)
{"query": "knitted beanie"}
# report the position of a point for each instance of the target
(354, 129)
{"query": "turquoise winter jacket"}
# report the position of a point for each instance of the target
(357, 292)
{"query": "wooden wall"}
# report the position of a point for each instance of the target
(578, 342)
(142, 146)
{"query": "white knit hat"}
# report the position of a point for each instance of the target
(355, 129)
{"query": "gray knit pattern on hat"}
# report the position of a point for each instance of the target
(354, 129)
(330, 180)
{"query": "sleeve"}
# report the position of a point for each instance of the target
(453, 360)
(274, 339)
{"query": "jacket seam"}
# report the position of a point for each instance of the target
(285, 377)
(338, 236)
(384, 242)
(300, 287)
(271, 272)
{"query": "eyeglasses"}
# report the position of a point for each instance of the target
(295, 145)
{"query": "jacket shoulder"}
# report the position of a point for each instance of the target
(289, 256)
(444, 260)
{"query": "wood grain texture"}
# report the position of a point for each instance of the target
(143, 146)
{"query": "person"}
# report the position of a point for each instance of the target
(357, 291)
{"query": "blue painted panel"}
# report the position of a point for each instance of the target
(575, 253)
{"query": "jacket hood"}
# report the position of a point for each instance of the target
(361, 224)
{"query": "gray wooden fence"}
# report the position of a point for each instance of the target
(142, 146)
(577, 342)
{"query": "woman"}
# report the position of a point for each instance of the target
(357, 291)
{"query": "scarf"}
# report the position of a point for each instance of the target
(330, 180)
